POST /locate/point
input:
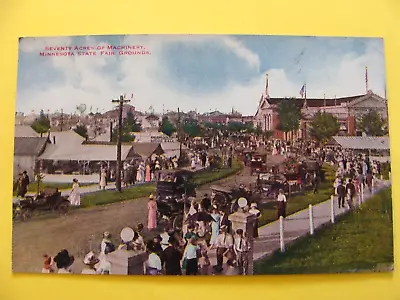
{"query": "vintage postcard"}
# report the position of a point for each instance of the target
(201, 155)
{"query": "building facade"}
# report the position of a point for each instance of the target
(346, 109)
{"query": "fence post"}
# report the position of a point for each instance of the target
(282, 241)
(362, 193)
(373, 185)
(310, 210)
(332, 208)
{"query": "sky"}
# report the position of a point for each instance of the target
(195, 72)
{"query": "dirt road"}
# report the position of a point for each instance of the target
(81, 230)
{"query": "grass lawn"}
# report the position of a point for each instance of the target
(208, 176)
(361, 240)
(32, 187)
(300, 202)
(112, 196)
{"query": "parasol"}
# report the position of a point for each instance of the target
(200, 216)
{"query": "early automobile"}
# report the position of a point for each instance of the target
(269, 184)
(50, 199)
(173, 188)
(226, 198)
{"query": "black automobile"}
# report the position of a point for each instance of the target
(50, 199)
(173, 188)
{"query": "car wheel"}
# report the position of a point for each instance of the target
(63, 208)
(26, 214)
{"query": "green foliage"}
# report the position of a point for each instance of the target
(81, 130)
(258, 130)
(323, 126)
(191, 127)
(167, 127)
(372, 124)
(289, 115)
(41, 124)
(131, 124)
(126, 136)
(361, 240)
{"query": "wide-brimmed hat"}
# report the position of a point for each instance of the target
(90, 259)
(151, 196)
(63, 259)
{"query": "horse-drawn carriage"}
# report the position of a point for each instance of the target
(173, 188)
(50, 199)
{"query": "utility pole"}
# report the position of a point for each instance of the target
(120, 102)
(179, 135)
(62, 120)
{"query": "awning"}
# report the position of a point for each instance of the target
(361, 142)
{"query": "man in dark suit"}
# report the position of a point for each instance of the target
(341, 192)
(351, 190)
(24, 183)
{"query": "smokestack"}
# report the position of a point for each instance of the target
(54, 140)
(111, 129)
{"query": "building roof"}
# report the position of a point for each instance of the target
(145, 150)
(25, 131)
(316, 102)
(361, 142)
(85, 152)
(29, 146)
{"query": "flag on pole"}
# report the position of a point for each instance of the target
(266, 87)
(366, 80)
(302, 91)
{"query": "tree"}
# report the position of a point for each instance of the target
(81, 130)
(258, 130)
(167, 127)
(372, 124)
(131, 123)
(126, 136)
(41, 124)
(289, 115)
(323, 126)
(191, 127)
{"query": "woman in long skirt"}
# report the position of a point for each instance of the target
(147, 173)
(215, 225)
(152, 213)
(103, 178)
(75, 195)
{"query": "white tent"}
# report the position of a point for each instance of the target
(361, 142)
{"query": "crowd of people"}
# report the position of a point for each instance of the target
(175, 251)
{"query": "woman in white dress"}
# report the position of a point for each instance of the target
(75, 195)
(103, 176)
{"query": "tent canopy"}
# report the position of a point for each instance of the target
(361, 142)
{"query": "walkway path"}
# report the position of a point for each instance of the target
(89, 188)
(297, 226)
